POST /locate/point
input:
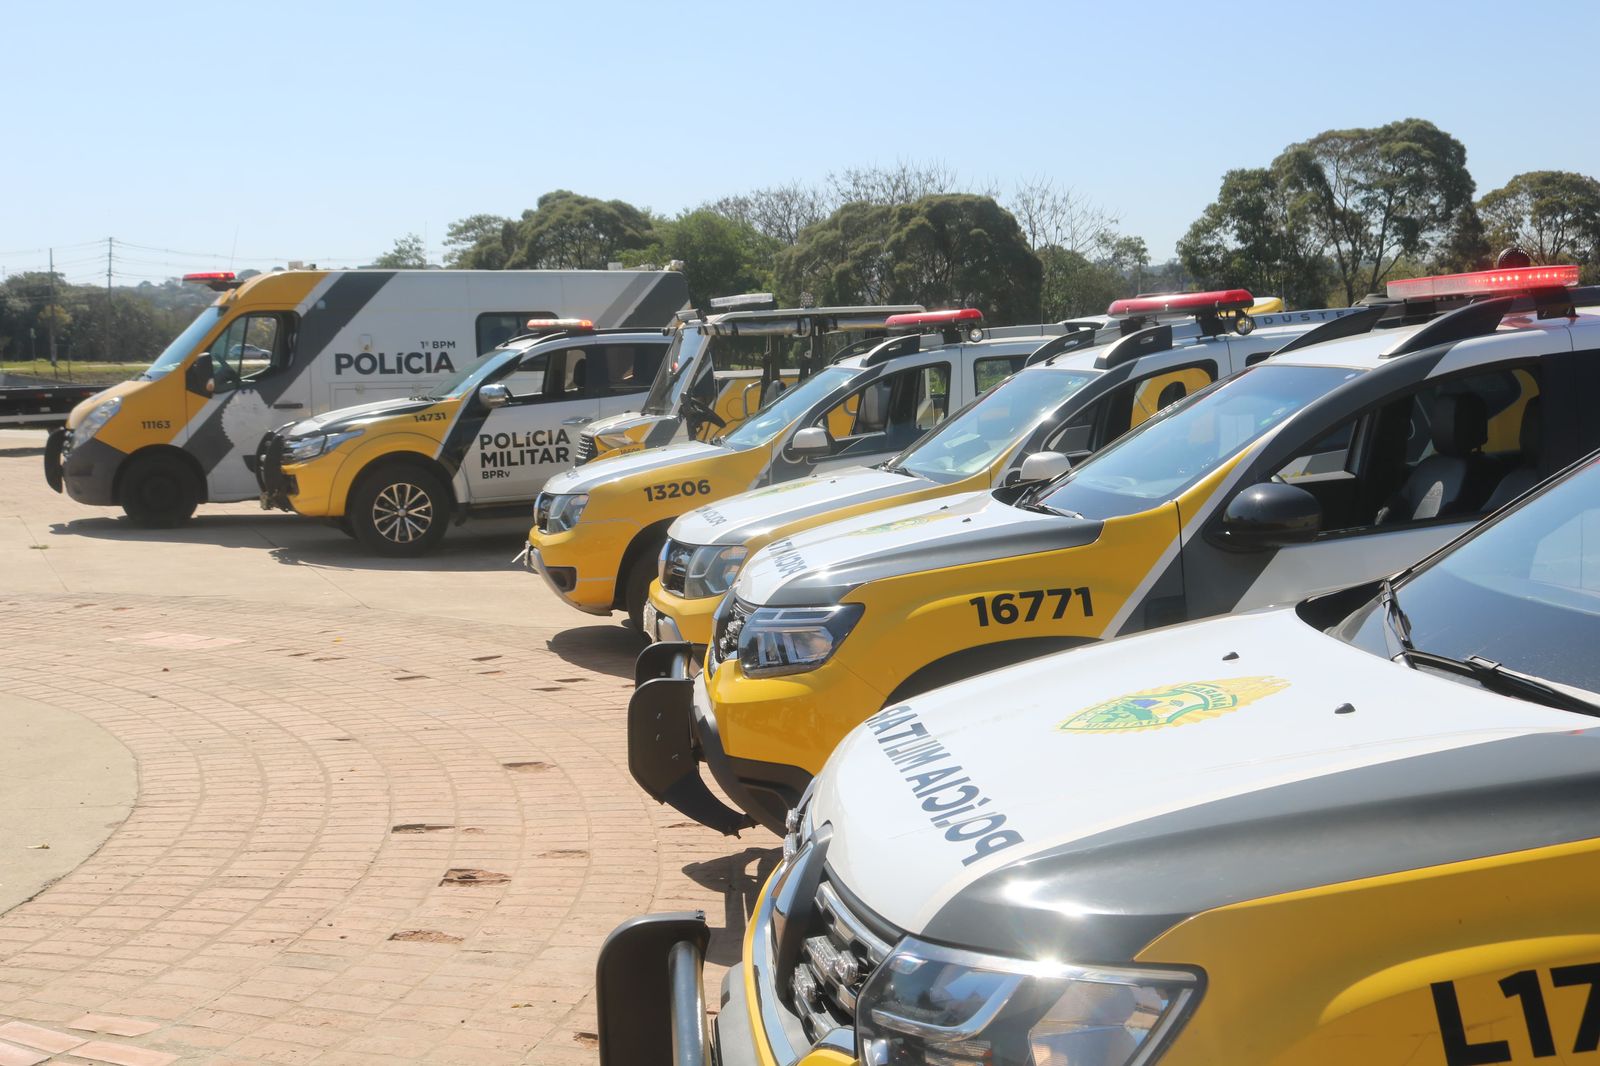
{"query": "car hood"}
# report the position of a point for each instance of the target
(594, 475)
(82, 408)
(1082, 803)
(362, 414)
(822, 564)
(761, 512)
(623, 422)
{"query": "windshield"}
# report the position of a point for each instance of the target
(793, 403)
(183, 344)
(971, 440)
(673, 374)
(1176, 448)
(469, 378)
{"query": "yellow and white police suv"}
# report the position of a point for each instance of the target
(293, 344)
(721, 367)
(598, 530)
(1354, 450)
(1054, 409)
(1359, 830)
(393, 473)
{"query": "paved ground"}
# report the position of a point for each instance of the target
(383, 813)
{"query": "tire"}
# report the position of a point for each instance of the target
(159, 492)
(400, 510)
(636, 589)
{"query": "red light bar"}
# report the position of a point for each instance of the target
(220, 280)
(577, 325)
(935, 318)
(1183, 303)
(1517, 279)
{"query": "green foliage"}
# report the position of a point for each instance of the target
(1072, 285)
(842, 259)
(721, 256)
(572, 232)
(408, 253)
(479, 242)
(1373, 195)
(1258, 236)
(131, 323)
(1553, 215)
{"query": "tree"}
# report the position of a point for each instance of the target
(841, 260)
(573, 232)
(1257, 235)
(1553, 215)
(1053, 217)
(1072, 285)
(1374, 195)
(479, 242)
(779, 212)
(408, 253)
(721, 256)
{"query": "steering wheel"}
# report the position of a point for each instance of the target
(702, 413)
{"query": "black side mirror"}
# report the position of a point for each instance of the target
(198, 378)
(1270, 515)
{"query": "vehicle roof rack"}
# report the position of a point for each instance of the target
(1474, 320)
(893, 349)
(1077, 335)
(1145, 341)
(1360, 321)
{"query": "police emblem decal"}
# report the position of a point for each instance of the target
(1172, 705)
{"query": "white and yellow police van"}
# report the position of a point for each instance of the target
(598, 529)
(1355, 449)
(394, 473)
(1356, 830)
(725, 365)
(289, 345)
(1060, 408)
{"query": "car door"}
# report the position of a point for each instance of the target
(520, 445)
(243, 386)
(623, 374)
(1393, 484)
(887, 416)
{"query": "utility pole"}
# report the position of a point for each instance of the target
(50, 326)
(110, 243)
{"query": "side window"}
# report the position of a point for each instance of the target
(992, 370)
(892, 412)
(494, 328)
(251, 348)
(573, 379)
(527, 380)
(1162, 390)
(1439, 452)
(626, 367)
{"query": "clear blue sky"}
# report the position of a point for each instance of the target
(322, 131)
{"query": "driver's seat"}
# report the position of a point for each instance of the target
(1450, 481)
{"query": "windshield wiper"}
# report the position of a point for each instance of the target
(1395, 622)
(1504, 680)
(1040, 507)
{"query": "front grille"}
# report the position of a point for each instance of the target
(66, 446)
(841, 949)
(586, 448)
(726, 627)
(675, 566)
(541, 512)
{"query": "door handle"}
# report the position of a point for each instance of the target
(576, 421)
(287, 406)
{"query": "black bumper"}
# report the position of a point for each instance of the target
(52, 457)
(648, 996)
(666, 743)
(276, 486)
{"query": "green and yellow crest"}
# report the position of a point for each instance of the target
(1156, 708)
(901, 523)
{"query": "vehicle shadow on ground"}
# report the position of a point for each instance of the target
(739, 878)
(12, 453)
(608, 648)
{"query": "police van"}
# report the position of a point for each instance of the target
(725, 365)
(393, 473)
(599, 529)
(1352, 451)
(292, 344)
(1356, 830)
(1051, 412)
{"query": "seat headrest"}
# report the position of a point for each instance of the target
(1532, 434)
(1460, 423)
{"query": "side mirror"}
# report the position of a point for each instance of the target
(198, 378)
(811, 443)
(1042, 466)
(1270, 515)
(492, 396)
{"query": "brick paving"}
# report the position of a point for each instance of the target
(360, 836)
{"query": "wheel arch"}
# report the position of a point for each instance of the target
(202, 494)
(647, 540)
(970, 662)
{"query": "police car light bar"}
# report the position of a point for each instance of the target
(571, 325)
(1177, 303)
(1480, 282)
(935, 318)
(216, 280)
(747, 299)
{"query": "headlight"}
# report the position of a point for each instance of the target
(95, 420)
(707, 571)
(792, 640)
(564, 512)
(930, 1004)
(300, 449)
